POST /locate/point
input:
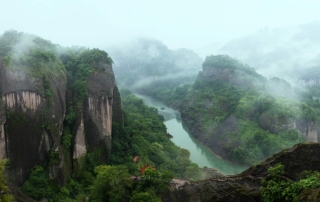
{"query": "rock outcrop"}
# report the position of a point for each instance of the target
(98, 110)
(245, 187)
(33, 121)
(35, 94)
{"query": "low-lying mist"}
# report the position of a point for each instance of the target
(143, 61)
(283, 52)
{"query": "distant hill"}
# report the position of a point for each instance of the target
(282, 52)
(144, 61)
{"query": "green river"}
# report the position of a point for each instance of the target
(199, 154)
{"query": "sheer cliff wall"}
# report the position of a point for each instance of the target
(32, 113)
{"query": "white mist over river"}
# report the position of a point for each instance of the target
(199, 154)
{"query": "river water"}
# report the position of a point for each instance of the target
(199, 154)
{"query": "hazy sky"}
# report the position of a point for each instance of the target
(177, 23)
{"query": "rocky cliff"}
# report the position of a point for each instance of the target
(246, 186)
(98, 110)
(35, 97)
(32, 124)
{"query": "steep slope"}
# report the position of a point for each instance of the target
(33, 86)
(244, 117)
(93, 103)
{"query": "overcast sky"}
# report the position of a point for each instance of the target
(177, 23)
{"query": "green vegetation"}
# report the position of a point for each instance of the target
(143, 160)
(276, 187)
(36, 56)
(143, 134)
(226, 62)
(5, 195)
(265, 113)
(38, 184)
(112, 184)
(265, 116)
(80, 64)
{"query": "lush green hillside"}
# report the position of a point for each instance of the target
(144, 135)
(243, 116)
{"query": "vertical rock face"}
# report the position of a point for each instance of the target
(116, 107)
(32, 124)
(33, 86)
(98, 111)
(23, 99)
(80, 142)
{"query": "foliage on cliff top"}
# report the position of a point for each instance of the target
(227, 62)
(80, 63)
(277, 187)
(36, 56)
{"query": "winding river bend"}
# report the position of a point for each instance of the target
(199, 154)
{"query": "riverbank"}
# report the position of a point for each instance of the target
(199, 154)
